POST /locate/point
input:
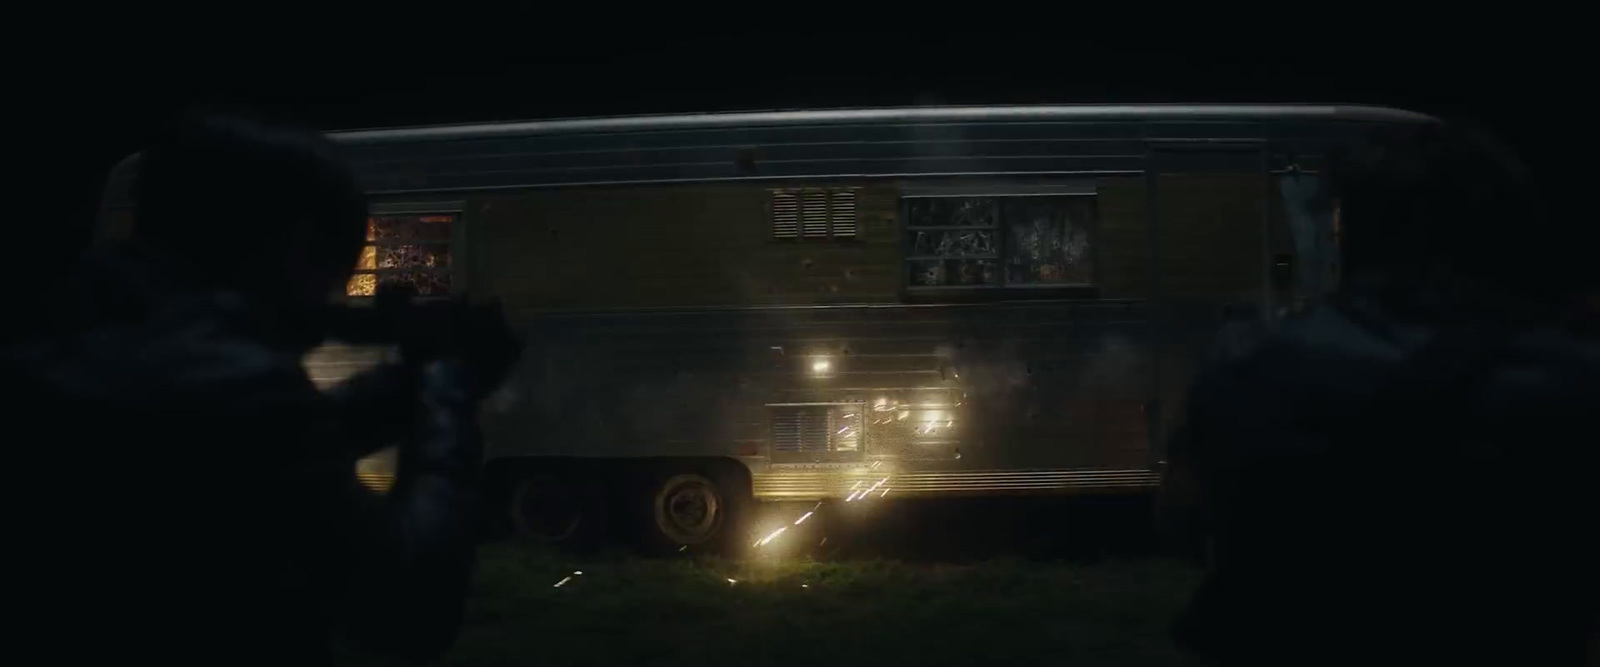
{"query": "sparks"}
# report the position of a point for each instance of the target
(802, 518)
(885, 492)
(772, 536)
(563, 582)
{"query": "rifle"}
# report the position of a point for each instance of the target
(427, 329)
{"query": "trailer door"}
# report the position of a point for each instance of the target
(1212, 263)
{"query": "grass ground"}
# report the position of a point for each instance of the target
(629, 611)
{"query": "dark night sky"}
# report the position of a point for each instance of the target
(90, 118)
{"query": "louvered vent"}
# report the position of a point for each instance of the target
(785, 215)
(816, 428)
(843, 213)
(814, 215)
(800, 429)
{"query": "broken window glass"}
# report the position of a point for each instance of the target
(977, 241)
(956, 243)
(975, 272)
(927, 274)
(413, 257)
(954, 272)
(409, 228)
(405, 249)
(1047, 240)
(952, 212)
(362, 284)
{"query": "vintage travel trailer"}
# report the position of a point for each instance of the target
(808, 305)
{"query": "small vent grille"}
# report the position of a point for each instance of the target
(816, 428)
(797, 430)
(785, 216)
(814, 214)
(843, 213)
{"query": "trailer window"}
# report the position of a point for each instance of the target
(405, 249)
(999, 241)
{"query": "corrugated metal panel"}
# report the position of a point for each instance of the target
(377, 481)
(778, 484)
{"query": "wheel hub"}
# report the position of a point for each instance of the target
(687, 509)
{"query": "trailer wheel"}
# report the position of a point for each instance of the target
(688, 510)
(546, 509)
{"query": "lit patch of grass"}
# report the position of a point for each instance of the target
(626, 611)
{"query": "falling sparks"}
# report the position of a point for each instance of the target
(805, 585)
(885, 492)
(772, 536)
(824, 540)
(860, 494)
(875, 464)
(733, 581)
(563, 582)
(683, 548)
(577, 573)
(802, 518)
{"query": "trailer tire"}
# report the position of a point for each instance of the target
(699, 508)
(688, 509)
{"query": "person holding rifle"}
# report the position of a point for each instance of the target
(217, 518)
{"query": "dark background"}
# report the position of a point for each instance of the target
(94, 96)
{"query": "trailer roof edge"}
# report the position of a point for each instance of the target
(954, 114)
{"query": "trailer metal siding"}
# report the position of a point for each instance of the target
(664, 319)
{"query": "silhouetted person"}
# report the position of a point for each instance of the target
(217, 519)
(1404, 474)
